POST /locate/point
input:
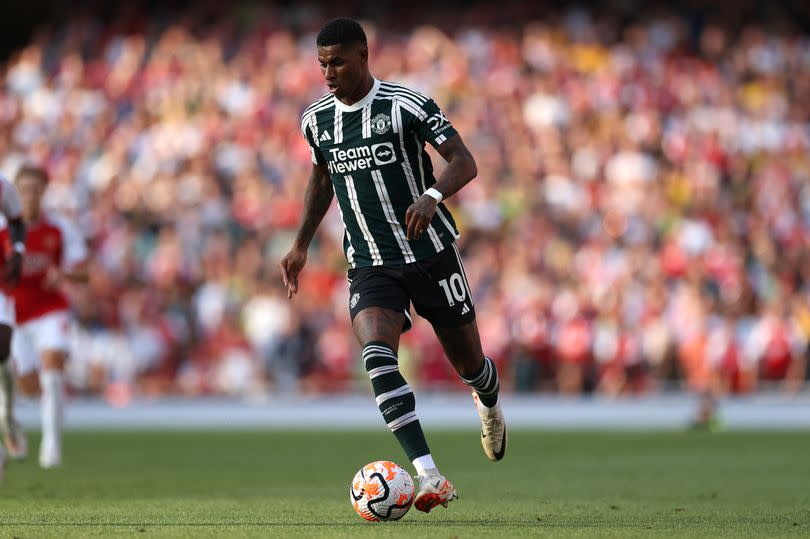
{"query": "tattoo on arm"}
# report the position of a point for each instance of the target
(461, 167)
(317, 199)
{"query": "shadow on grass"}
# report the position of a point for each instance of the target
(477, 522)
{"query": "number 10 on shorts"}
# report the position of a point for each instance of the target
(455, 289)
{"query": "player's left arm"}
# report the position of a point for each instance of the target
(431, 125)
(74, 264)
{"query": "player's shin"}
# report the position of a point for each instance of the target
(13, 433)
(485, 383)
(397, 404)
(6, 395)
(52, 382)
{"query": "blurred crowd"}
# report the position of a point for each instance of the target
(640, 221)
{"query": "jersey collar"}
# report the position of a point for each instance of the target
(360, 104)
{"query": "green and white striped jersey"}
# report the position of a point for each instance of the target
(374, 150)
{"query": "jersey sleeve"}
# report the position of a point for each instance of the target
(306, 130)
(430, 123)
(9, 199)
(74, 249)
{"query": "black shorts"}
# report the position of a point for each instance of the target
(437, 287)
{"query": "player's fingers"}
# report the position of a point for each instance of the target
(290, 281)
(423, 226)
(290, 287)
(283, 267)
(419, 227)
(414, 222)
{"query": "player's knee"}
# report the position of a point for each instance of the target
(53, 360)
(28, 384)
(376, 324)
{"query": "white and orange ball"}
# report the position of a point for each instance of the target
(381, 490)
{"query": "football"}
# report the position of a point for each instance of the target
(381, 491)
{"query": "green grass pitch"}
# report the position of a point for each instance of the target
(295, 484)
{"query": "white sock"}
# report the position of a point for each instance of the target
(6, 394)
(425, 466)
(52, 398)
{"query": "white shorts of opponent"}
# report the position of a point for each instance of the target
(50, 331)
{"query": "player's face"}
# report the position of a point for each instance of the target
(344, 68)
(31, 189)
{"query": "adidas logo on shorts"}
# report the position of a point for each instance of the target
(465, 309)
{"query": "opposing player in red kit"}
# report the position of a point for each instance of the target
(55, 253)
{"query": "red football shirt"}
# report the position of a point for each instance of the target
(50, 242)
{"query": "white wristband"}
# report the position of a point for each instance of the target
(19, 247)
(435, 194)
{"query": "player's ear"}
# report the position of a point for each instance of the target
(364, 54)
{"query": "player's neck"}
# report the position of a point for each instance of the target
(32, 217)
(362, 91)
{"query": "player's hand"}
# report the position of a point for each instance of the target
(418, 216)
(13, 269)
(291, 266)
(52, 278)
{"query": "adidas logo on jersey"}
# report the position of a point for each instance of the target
(325, 136)
(465, 309)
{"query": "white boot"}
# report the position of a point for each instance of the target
(493, 429)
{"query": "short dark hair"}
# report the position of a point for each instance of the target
(32, 170)
(341, 31)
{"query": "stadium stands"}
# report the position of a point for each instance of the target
(641, 219)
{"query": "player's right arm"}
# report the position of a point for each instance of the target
(317, 199)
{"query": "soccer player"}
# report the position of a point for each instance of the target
(13, 435)
(55, 253)
(367, 140)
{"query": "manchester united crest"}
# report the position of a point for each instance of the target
(381, 123)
